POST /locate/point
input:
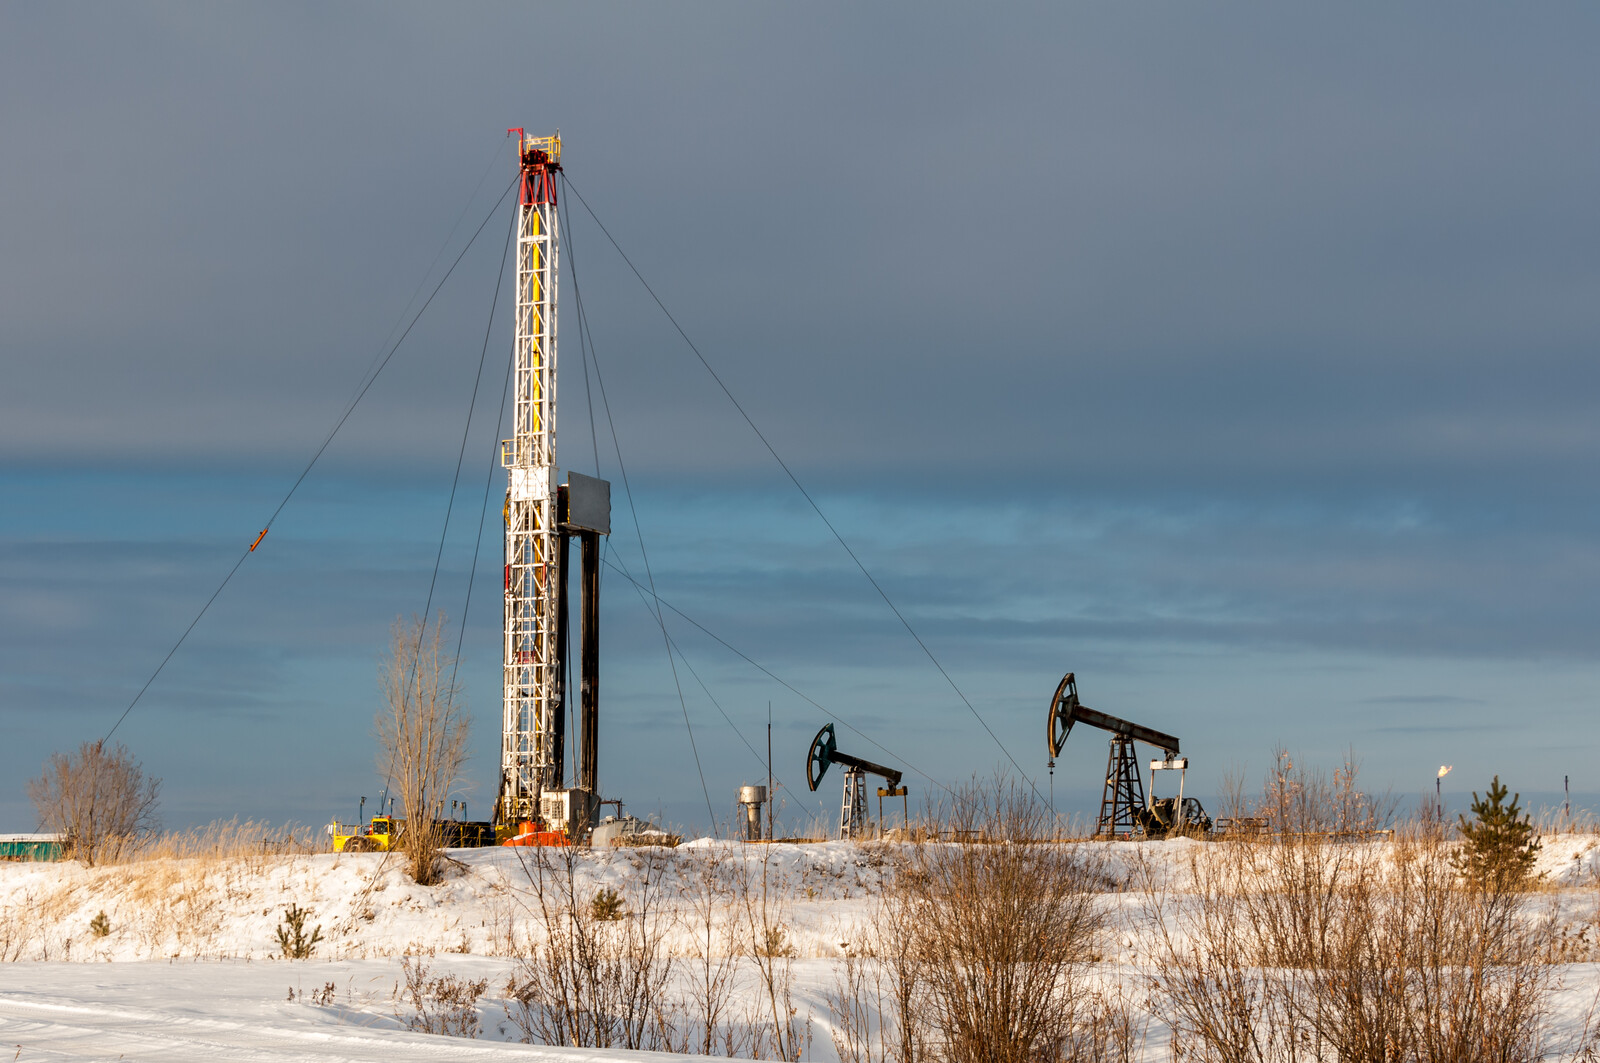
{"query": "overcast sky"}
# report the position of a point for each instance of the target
(1240, 359)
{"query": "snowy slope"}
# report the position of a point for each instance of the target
(229, 1011)
(231, 909)
(190, 967)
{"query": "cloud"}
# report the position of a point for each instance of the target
(1164, 270)
(1247, 360)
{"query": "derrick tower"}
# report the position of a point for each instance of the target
(530, 760)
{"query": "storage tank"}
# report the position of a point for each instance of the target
(752, 798)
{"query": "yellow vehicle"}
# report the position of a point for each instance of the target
(378, 836)
(387, 832)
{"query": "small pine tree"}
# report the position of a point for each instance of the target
(293, 940)
(607, 906)
(1500, 842)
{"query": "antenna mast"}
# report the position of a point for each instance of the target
(531, 752)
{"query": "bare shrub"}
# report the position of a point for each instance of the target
(1110, 1027)
(897, 946)
(990, 934)
(776, 1030)
(1308, 946)
(502, 921)
(593, 983)
(18, 924)
(1296, 801)
(1205, 965)
(422, 735)
(1480, 955)
(97, 798)
(445, 1004)
(859, 1006)
(707, 1026)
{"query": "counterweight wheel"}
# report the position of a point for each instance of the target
(1063, 711)
(820, 757)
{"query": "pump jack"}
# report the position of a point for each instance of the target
(853, 822)
(1123, 809)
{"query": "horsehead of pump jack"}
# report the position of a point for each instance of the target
(535, 805)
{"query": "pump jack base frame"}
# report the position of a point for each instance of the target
(1123, 798)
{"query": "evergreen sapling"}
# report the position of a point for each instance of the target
(293, 940)
(1500, 842)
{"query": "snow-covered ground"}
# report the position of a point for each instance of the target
(205, 1010)
(367, 907)
(189, 965)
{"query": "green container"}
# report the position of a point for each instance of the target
(30, 847)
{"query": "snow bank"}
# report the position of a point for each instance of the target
(366, 907)
(198, 972)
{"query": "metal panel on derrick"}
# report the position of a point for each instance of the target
(588, 503)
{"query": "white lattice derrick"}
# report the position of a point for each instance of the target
(531, 579)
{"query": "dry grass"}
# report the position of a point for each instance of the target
(441, 1004)
(591, 982)
(979, 949)
(169, 897)
(1303, 946)
(1556, 820)
(711, 972)
(708, 1026)
(991, 936)
(250, 845)
(1291, 948)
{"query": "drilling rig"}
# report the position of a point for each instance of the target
(534, 805)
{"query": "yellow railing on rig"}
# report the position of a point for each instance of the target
(549, 145)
